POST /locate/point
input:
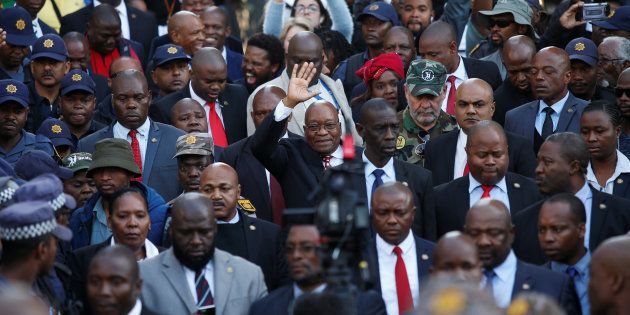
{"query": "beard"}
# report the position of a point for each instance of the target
(195, 263)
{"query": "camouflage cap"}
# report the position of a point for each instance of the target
(425, 77)
(195, 143)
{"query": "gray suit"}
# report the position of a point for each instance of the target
(237, 284)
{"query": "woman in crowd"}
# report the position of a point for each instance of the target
(292, 27)
(336, 48)
(609, 169)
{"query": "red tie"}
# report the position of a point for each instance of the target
(277, 200)
(450, 103)
(216, 127)
(486, 191)
(326, 160)
(466, 169)
(135, 148)
(405, 301)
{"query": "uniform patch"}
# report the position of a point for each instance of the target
(246, 205)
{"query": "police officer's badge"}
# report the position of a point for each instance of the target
(579, 46)
(48, 43)
(246, 205)
(76, 77)
(400, 142)
(419, 149)
(55, 128)
(171, 50)
(11, 88)
(191, 140)
(427, 75)
(20, 24)
(373, 7)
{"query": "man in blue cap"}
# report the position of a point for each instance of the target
(19, 36)
(14, 140)
(617, 23)
(376, 19)
(59, 134)
(583, 55)
(49, 63)
(33, 8)
(77, 104)
(170, 72)
(35, 163)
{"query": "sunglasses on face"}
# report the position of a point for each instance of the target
(620, 91)
(499, 23)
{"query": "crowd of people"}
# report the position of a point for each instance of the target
(151, 156)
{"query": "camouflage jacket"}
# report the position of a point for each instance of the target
(410, 144)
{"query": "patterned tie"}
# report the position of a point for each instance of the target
(277, 200)
(486, 191)
(489, 274)
(547, 128)
(326, 160)
(204, 296)
(378, 179)
(403, 290)
(135, 148)
(216, 127)
(450, 103)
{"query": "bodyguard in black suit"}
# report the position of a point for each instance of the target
(488, 178)
(563, 160)
(209, 66)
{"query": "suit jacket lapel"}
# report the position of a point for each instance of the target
(598, 216)
(530, 120)
(463, 204)
(523, 281)
(223, 275)
(153, 142)
(449, 155)
(372, 259)
(257, 170)
(174, 273)
(514, 193)
(250, 236)
(422, 258)
(568, 111)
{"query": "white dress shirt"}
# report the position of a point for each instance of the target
(389, 176)
(149, 249)
(297, 292)
(460, 75)
(387, 271)
(190, 279)
(461, 158)
(122, 132)
(37, 28)
(498, 192)
(555, 116)
(623, 166)
(234, 220)
(124, 20)
(137, 309)
(503, 281)
(224, 54)
(586, 196)
(206, 107)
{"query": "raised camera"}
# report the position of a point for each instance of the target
(595, 11)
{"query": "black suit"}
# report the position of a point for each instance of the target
(622, 186)
(452, 200)
(142, 25)
(507, 97)
(440, 156)
(485, 70)
(609, 217)
(233, 100)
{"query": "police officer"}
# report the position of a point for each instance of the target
(170, 69)
(59, 134)
(423, 120)
(16, 22)
(14, 108)
(35, 163)
(8, 186)
(194, 153)
(77, 104)
(584, 58)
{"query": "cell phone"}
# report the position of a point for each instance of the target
(595, 11)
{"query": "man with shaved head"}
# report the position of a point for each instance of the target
(555, 109)
(239, 234)
(189, 116)
(216, 29)
(104, 109)
(456, 254)
(307, 47)
(257, 184)
(446, 156)
(224, 103)
(153, 143)
(186, 29)
(488, 223)
(608, 289)
(193, 276)
(517, 54)
(439, 43)
(622, 92)
(488, 177)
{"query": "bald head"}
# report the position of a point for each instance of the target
(264, 102)
(518, 47)
(517, 54)
(394, 189)
(487, 152)
(556, 55)
(392, 201)
(489, 224)
(103, 29)
(456, 253)
(474, 103)
(219, 182)
(180, 20)
(188, 115)
(484, 128)
(439, 30)
(551, 74)
(128, 75)
(104, 14)
(305, 47)
(609, 286)
(192, 203)
(475, 84)
(124, 63)
(321, 108)
(208, 56)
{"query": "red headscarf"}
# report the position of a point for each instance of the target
(374, 68)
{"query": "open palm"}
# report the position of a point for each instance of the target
(301, 77)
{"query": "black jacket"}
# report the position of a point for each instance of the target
(485, 70)
(507, 97)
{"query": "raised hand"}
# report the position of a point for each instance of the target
(568, 18)
(301, 77)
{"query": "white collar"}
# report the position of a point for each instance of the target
(338, 153)
(137, 309)
(150, 249)
(622, 166)
(462, 137)
(121, 8)
(297, 292)
(406, 245)
(234, 219)
(557, 106)
(507, 268)
(224, 53)
(584, 193)
(388, 168)
(143, 130)
(474, 184)
(196, 97)
(460, 72)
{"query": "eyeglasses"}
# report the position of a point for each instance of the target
(499, 23)
(317, 127)
(619, 92)
(310, 9)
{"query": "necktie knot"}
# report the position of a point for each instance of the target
(572, 272)
(451, 79)
(378, 179)
(378, 173)
(486, 190)
(450, 101)
(326, 160)
(397, 251)
(548, 110)
(133, 132)
(489, 274)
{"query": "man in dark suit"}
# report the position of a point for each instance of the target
(563, 159)
(307, 274)
(216, 30)
(556, 109)
(256, 240)
(379, 127)
(224, 103)
(439, 43)
(487, 153)
(395, 250)
(137, 25)
(488, 223)
(131, 98)
(446, 156)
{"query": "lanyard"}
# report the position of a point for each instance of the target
(317, 97)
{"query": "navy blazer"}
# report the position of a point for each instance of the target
(622, 186)
(440, 156)
(46, 29)
(452, 200)
(159, 170)
(609, 217)
(279, 301)
(234, 62)
(522, 120)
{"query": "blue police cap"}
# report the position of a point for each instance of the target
(8, 187)
(583, 49)
(13, 90)
(57, 131)
(167, 53)
(77, 80)
(381, 10)
(35, 162)
(30, 219)
(618, 19)
(16, 21)
(50, 46)
(46, 187)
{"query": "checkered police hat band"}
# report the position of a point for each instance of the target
(58, 202)
(7, 194)
(28, 231)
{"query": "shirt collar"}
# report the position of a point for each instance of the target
(137, 309)
(462, 137)
(474, 184)
(622, 166)
(507, 268)
(142, 130)
(297, 292)
(388, 168)
(224, 53)
(338, 153)
(121, 8)
(150, 249)
(557, 106)
(406, 245)
(234, 220)
(196, 97)
(460, 72)
(584, 193)
(581, 266)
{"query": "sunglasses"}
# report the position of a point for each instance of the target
(499, 23)
(619, 92)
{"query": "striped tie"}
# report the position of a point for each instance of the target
(204, 296)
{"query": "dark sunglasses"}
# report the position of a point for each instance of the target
(499, 23)
(619, 92)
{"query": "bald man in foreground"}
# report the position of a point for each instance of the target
(556, 109)
(609, 287)
(456, 254)
(104, 111)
